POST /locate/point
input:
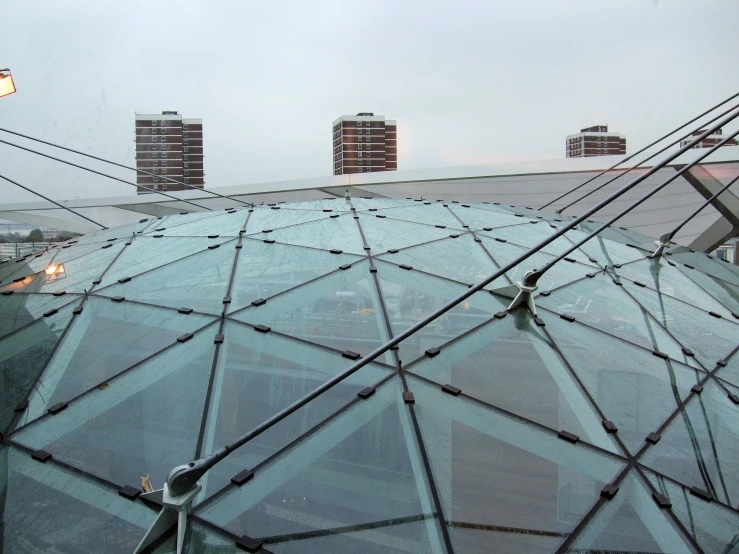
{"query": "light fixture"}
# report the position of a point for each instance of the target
(55, 271)
(7, 85)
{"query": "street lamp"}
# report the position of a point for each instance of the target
(7, 86)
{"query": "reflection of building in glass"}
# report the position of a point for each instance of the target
(595, 141)
(485, 431)
(364, 143)
(711, 140)
(170, 147)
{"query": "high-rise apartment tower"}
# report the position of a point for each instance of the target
(364, 143)
(169, 147)
(595, 141)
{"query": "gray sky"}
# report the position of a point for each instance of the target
(468, 82)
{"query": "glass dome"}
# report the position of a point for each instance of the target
(609, 423)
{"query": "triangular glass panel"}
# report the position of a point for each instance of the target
(707, 264)
(711, 338)
(530, 235)
(730, 372)
(264, 217)
(618, 234)
(263, 270)
(334, 204)
(139, 424)
(33, 263)
(631, 522)
(480, 539)
(104, 235)
(698, 447)
(383, 235)
(207, 273)
(106, 338)
(23, 356)
(479, 219)
(223, 224)
(479, 457)
(75, 275)
(635, 389)
(45, 508)
(259, 374)
(340, 233)
(602, 304)
(146, 253)
(361, 467)
(341, 311)
(714, 527)
(20, 309)
(560, 274)
(391, 537)
(410, 296)
(366, 203)
(433, 214)
(63, 255)
(723, 291)
(460, 259)
(174, 220)
(528, 378)
(657, 274)
(606, 251)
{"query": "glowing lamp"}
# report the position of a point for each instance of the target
(55, 270)
(7, 86)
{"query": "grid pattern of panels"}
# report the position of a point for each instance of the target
(609, 423)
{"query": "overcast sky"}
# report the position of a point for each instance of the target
(468, 82)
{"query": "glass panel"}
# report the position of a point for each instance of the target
(600, 303)
(631, 522)
(479, 456)
(411, 296)
(431, 214)
(560, 274)
(200, 540)
(383, 235)
(367, 203)
(264, 217)
(698, 448)
(361, 467)
(633, 388)
(174, 220)
(712, 526)
(223, 224)
(121, 231)
(730, 373)
(527, 378)
(23, 356)
(530, 235)
(607, 252)
(106, 338)
(513, 541)
(392, 538)
(460, 259)
(335, 204)
(659, 275)
(721, 290)
(707, 264)
(146, 253)
(48, 509)
(341, 311)
(258, 375)
(19, 309)
(141, 423)
(79, 273)
(199, 282)
(479, 219)
(33, 263)
(340, 233)
(711, 339)
(76, 250)
(264, 270)
(618, 234)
